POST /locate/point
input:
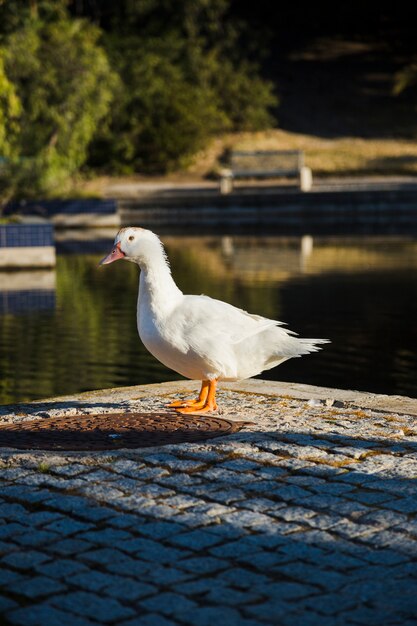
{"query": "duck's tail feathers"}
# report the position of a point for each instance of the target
(311, 345)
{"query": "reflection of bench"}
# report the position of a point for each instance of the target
(266, 164)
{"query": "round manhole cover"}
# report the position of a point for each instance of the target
(113, 430)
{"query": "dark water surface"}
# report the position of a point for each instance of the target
(74, 328)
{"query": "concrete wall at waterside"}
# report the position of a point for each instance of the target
(78, 213)
(319, 212)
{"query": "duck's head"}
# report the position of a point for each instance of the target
(132, 244)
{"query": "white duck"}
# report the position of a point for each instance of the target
(197, 336)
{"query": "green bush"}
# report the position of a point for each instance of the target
(63, 81)
(184, 79)
(141, 93)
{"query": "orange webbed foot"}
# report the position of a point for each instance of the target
(206, 402)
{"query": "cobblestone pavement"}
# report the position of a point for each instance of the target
(306, 517)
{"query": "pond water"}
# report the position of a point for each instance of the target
(74, 328)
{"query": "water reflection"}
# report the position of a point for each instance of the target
(361, 293)
(25, 291)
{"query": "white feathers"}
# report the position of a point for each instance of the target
(197, 336)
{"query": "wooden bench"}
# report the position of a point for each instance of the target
(266, 164)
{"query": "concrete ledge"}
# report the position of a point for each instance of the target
(326, 395)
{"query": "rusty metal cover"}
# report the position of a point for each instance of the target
(113, 430)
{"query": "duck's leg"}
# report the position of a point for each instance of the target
(204, 407)
(198, 402)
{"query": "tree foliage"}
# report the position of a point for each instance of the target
(142, 89)
(184, 79)
(63, 81)
(10, 110)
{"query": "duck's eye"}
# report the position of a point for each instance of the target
(131, 238)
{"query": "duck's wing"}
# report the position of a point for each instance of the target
(205, 316)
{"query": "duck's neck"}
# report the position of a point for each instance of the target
(157, 288)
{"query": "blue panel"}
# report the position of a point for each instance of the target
(25, 235)
(26, 300)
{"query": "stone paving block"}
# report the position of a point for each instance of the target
(221, 615)
(149, 550)
(128, 467)
(151, 473)
(156, 491)
(119, 483)
(6, 605)
(383, 518)
(226, 531)
(203, 455)
(224, 595)
(195, 540)
(227, 477)
(11, 530)
(6, 547)
(250, 519)
(46, 615)
(235, 549)
(224, 496)
(12, 511)
(130, 567)
(72, 469)
(243, 578)
(68, 526)
(293, 513)
(125, 521)
(105, 492)
(271, 611)
(299, 551)
(35, 538)
(151, 619)
(43, 518)
(240, 465)
(36, 587)
(309, 618)
(67, 504)
(161, 576)
(370, 498)
(161, 530)
(330, 604)
(90, 580)
(263, 560)
(92, 606)
(103, 556)
(182, 501)
(159, 458)
(202, 565)
(106, 536)
(270, 472)
(285, 590)
(339, 561)
(25, 560)
(69, 547)
(180, 480)
(288, 493)
(127, 589)
(61, 568)
(169, 604)
(8, 576)
(184, 465)
(366, 616)
(260, 505)
(403, 505)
